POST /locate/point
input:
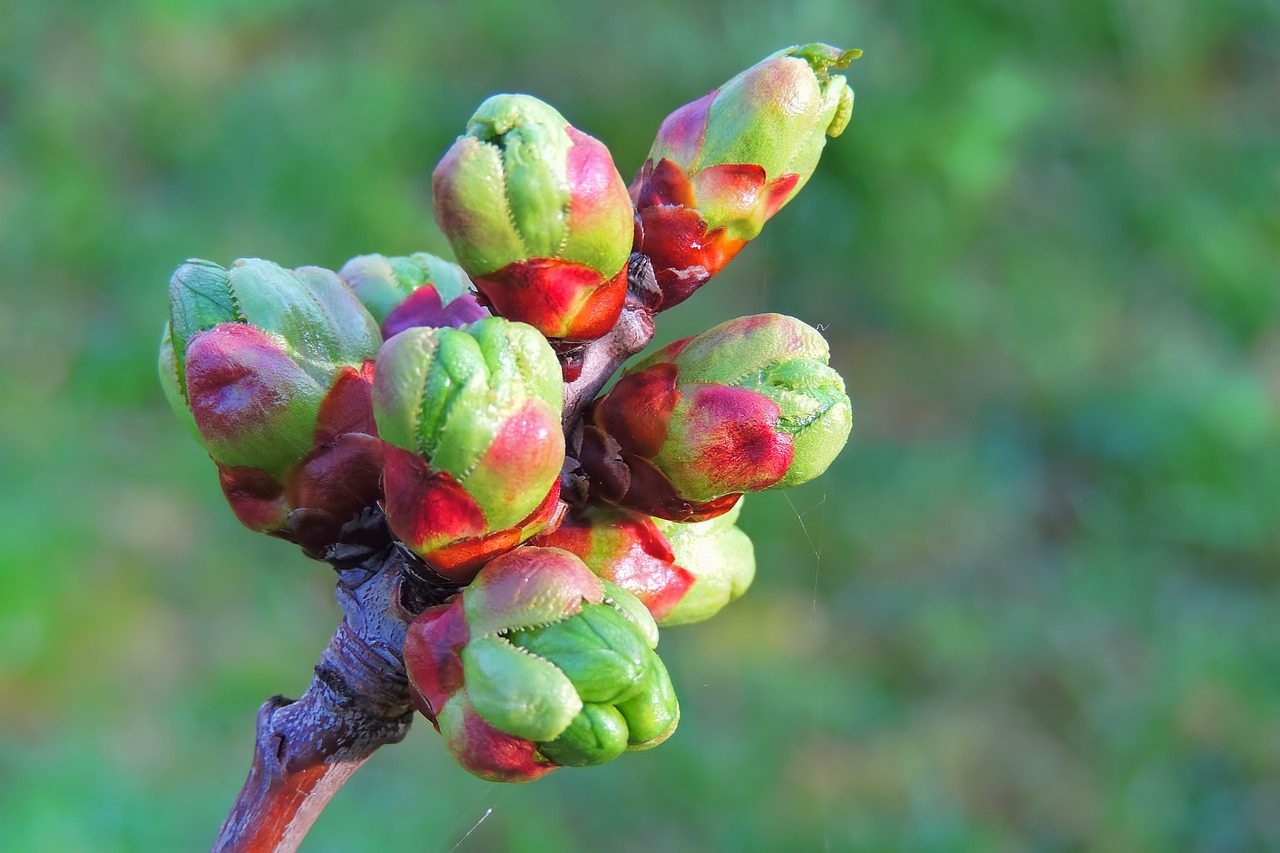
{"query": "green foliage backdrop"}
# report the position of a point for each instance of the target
(1034, 604)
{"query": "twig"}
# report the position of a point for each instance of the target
(358, 700)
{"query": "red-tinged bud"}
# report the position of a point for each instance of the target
(343, 472)
(271, 368)
(483, 750)
(425, 507)
(538, 216)
(431, 650)
(310, 501)
(253, 404)
(471, 419)
(722, 165)
(746, 406)
(626, 549)
(538, 664)
(242, 387)
(682, 573)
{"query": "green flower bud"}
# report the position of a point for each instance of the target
(471, 418)
(538, 663)
(681, 573)
(721, 558)
(746, 406)
(724, 164)
(776, 115)
(269, 368)
(538, 216)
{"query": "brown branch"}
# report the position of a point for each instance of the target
(358, 700)
(306, 749)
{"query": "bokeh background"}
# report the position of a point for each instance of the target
(1035, 603)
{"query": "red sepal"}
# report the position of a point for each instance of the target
(561, 299)
(627, 549)
(460, 561)
(497, 756)
(685, 255)
(432, 644)
(256, 498)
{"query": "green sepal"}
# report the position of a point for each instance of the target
(653, 713)
(516, 692)
(530, 136)
(520, 361)
(323, 324)
(432, 396)
(634, 609)
(176, 394)
(599, 650)
(472, 207)
(596, 736)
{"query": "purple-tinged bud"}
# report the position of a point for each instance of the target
(722, 165)
(417, 290)
(538, 216)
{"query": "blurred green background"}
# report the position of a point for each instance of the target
(1034, 605)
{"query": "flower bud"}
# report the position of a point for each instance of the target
(471, 422)
(418, 290)
(719, 554)
(682, 573)
(725, 163)
(538, 216)
(539, 664)
(748, 405)
(271, 369)
(626, 549)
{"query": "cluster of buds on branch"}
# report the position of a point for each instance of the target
(438, 398)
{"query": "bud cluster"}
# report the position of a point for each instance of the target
(429, 394)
